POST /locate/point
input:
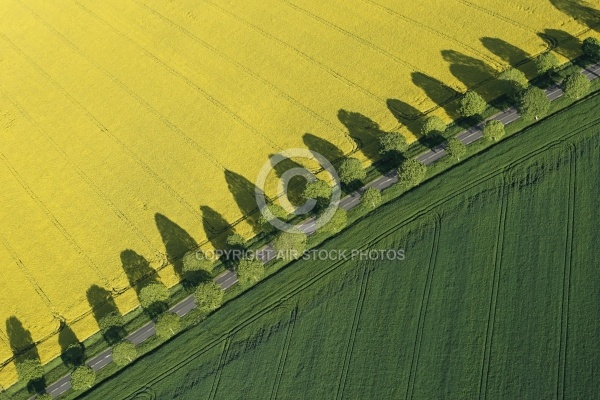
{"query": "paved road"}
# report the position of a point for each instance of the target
(267, 253)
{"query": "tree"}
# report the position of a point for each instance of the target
(390, 142)
(318, 190)
(124, 352)
(250, 271)
(411, 173)
(194, 261)
(83, 377)
(591, 48)
(351, 170)
(290, 245)
(278, 212)
(455, 149)
(30, 369)
(236, 240)
(516, 80)
(74, 355)
(153, 293)
(576, 86)
(472, 104)
(167, 325)
(494, 130)
(338, 221)
(371, 198)
(209, 296)
(533, 103)
(433, 124)
(546, 63)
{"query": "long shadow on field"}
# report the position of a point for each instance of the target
(140, 275)
(26, 356)
(177, 243)
(365, 132)
(472, 72)
(406, 115)
(107, 314)
(441, 94)
(72, 351)
(243, 192)
(578, 10)
(216, 227)
(296, 184)
(324, 147)
(562, 42)
(509, 53)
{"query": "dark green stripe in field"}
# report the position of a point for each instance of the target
(498, 298)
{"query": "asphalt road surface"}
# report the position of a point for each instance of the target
(267, 253)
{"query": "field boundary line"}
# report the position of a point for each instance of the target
(284, 353)
(566, 292)
(412, 375)
(222, 55)
(187, 80)
(118, 212)
(222, 363)
(364, 283)
(433, 31)
(499, 247)
(107, 132)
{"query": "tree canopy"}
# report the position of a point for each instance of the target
(472, 104)
(576, 86)
(546, 62)
(249, 271)
(591, 48)
(433, 124)
(455, 149)
(153, 293)
(194, 261)
(291, 245)
(83, 377)
(533, 103)
(167, 325)
(209, 296)
(124, 352)
(351, 170)
(318, 190)
(30, 369)
(338, 221)
(371, 198)
(411, 173)
(392, 142)
(494, 130)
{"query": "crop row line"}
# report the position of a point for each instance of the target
(410, 387)
(284, 353)
(364, 283)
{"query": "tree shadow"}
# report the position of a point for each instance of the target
(432, 140)
(406, 115)
(441, 94)
(472, 72)
(324, 147)
(243, 192)
(107, 314)
(578, 10)
(177, 243)
(562, 42)
(296, 184)
(140, 274)
(25, 352)
(365, 132)
(72, 350)
(509, 53)
(216, 227)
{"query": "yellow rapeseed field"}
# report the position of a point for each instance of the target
(125, 121)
